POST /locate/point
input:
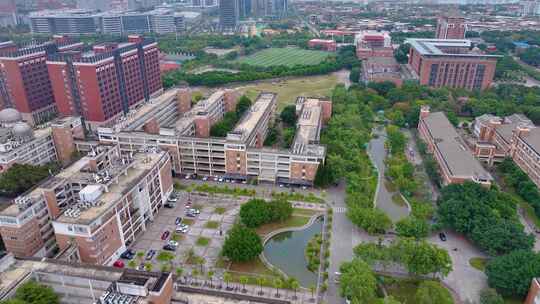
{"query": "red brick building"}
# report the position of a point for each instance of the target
(323, 44)
(380, 69)
(373, 44)
(107, 82)
(450, 63)
(24, 79)
(451, 27)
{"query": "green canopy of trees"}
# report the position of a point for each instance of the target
(242, 244)
(531, 56)
(490, 296)
(230, 119)
(487, 216)
(32, 292)
(430, 292)
(511, 274)
(413, 227)
(521, 183)
(357, 282)
(21, 177)
(257, 212)
(288, 115)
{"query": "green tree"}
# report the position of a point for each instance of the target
(32, 292)
(412, 227)
(354, 76)
(280, 210)
(357, 282)
(431, 292)
(227, 278)
(422, 258)
(370, 219)
(511, 274)
(242, 244)
(242, 106)
(255, 213)
(278, 283)
(244, 280)
(490, 296)
(21, 177)
(294, 285)
(288, 115)
(13, 301)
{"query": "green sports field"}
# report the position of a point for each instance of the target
(284, 56)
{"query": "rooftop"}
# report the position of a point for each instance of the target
(201, 108)
(445, 47)
(251, 118)
(459, 161)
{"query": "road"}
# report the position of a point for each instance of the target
(384, 200)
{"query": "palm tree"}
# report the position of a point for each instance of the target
(194, 274)
(261, 281)
(227, 277)
(278, 283)
(210, 276)
(312, 288)
(244, 280)
(179, 272)
(294, 285)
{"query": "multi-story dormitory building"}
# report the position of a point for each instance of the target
(95, 207)
(514, 136)
(167, 122)
(20, 143)
(456, 163)
(61, 77)
(24, 78)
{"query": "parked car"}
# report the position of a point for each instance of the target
(337, 277)
(189, 214)
(194, 211)
(178, 221)
(442, 236)
(172, 199)
(181, 229)
(150, 254)
(216, 178)
(128, 254)
(165, 235)
(140, 267)
(205, 178)
(170, 205)
(169, 247)
(172, 243)
(119, 264)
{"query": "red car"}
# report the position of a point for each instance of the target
(119, 264)
(165, 235)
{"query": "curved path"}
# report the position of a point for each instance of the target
(383, 197)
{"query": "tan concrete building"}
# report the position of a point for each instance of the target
(97, 205)
(240, 155)
(456, 163)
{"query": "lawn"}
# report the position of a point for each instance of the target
(403, 290)
(293, 221)
(478, 263)
(212, 225)
(288, 90)
(284, 56)
(202, 241)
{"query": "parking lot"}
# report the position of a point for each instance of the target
(203, 238)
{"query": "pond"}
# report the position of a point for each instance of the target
(286, 251)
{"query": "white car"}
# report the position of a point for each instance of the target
(194, 211)
(205, 178)
(216, 178)
(220, 179)
(181, 229)
(172, 243)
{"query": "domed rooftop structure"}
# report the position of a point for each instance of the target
(22, 130)
(10, 115)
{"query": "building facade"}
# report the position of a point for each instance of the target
(71, 22)
(451, 27)
(456, 163)
(96, 205)
(450, 63)
(167, 123)
(373, 44)
(229, 14)
(381, 69)
(24, 78)
(107, 82)
(514, 136)
(323, 44)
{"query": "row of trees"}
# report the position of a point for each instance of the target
(257, 212)
(521, 183)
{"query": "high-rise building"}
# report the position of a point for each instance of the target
(530, 8)
(229, 13)
(24, 79)
(451, 27)
(450, 63)
(63, 22)
(104, 83)
(8, 11)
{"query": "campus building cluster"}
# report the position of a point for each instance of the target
(456, 163)
(514, 136)
(92, 209)
(85, 22)
(62, 77)
(169, 123)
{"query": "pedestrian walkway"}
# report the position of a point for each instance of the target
(340, 209)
